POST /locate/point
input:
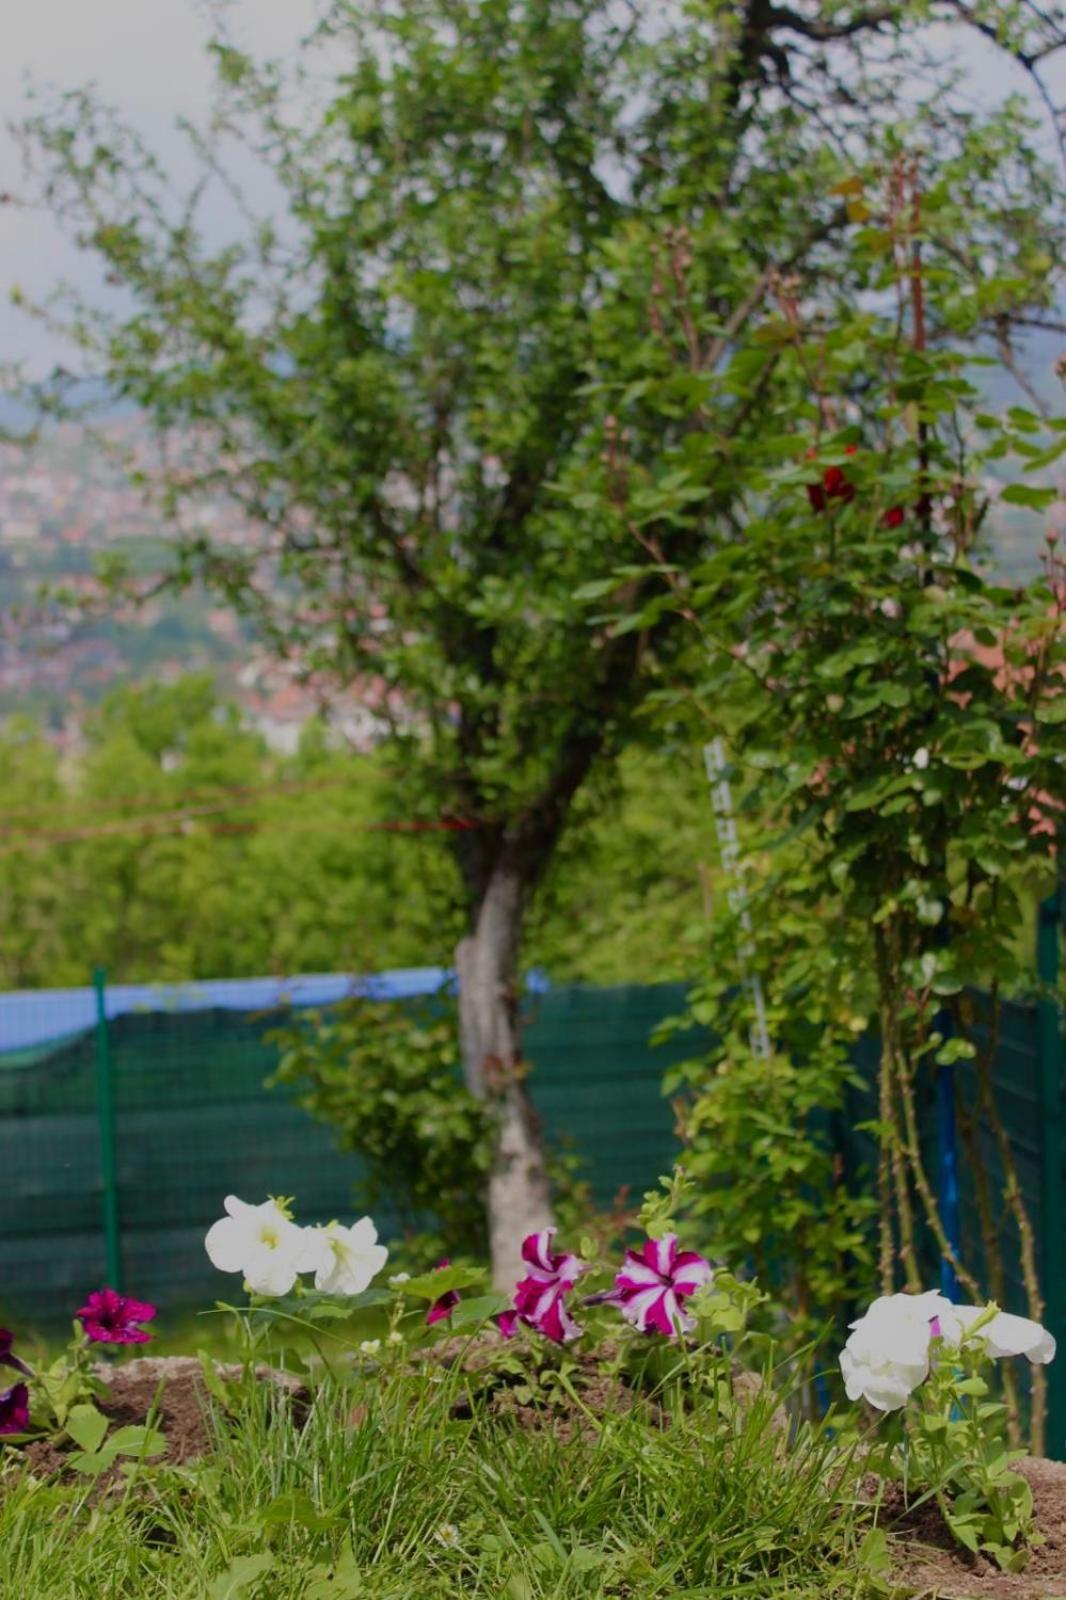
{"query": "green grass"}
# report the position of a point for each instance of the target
(413, 1503)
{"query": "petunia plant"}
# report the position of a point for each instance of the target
(929, 1361)
(660, 1289)
(59, 1400)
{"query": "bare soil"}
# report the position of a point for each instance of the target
(508, 1380)
(928, 1564)
(174, 1385)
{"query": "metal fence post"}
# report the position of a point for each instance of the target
(105, 1110)
(1052, 1155)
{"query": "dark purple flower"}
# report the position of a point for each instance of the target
(540, 1297)
(111, 1318)
(6, 1357)
(442, 1308)
(653, 1284)
(15, 1409)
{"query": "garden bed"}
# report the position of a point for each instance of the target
(929, 1563)
(492, 1385)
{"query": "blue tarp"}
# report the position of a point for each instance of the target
(36, 1017)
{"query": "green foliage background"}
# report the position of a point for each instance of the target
(289, 875)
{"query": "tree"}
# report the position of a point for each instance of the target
(406, 383)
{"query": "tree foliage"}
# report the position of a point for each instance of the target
(387, 1079)
(176, 846)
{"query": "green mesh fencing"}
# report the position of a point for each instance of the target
(194, 1121)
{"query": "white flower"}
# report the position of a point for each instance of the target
(887, 1353)
(370, 1347)
(395, 1337)
(263, 1244)
(1004, 1335)
(921, 758)
(448, 1535)
(352, 1257)
(891, 608)
(398, 1278)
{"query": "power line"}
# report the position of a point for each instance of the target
(164, 824)
(192, 797)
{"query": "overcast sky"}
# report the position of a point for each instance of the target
(148, 58)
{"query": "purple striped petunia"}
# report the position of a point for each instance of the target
(15, 1409)
(653, 1284)
(540, 1297)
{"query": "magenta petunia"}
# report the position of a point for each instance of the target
(7, 1358)
(112, 1318)
(15, 1409)
(540, 1297)
(653, 1284)
(442, 1308)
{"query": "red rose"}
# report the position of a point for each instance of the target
(835, 484)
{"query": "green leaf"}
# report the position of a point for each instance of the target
(92, 1463)
(468, 1313)
(295, 1507)
(1027, 494)
(870, 792)
(966, 1534)
(431, 1285)
(874, 1553)
(239, 1576)
(137, 1441)
(342, 1581)
(86, 1426)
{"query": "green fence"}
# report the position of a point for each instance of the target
(154, 1117)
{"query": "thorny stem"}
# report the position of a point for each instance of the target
(1019, 1211)
(892, 1150)
(913, 1151)
(993, 1257)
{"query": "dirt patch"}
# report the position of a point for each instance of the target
(931, 1566)
(512, 1380)
(174, 1386)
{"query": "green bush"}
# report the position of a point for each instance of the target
(386, 1076)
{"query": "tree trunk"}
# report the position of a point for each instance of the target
(487, 966)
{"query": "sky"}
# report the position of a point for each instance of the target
(147, 57)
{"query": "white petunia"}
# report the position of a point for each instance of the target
(264, 1245)
(887, 1353)
(353, 1257)
(1005, 1335)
